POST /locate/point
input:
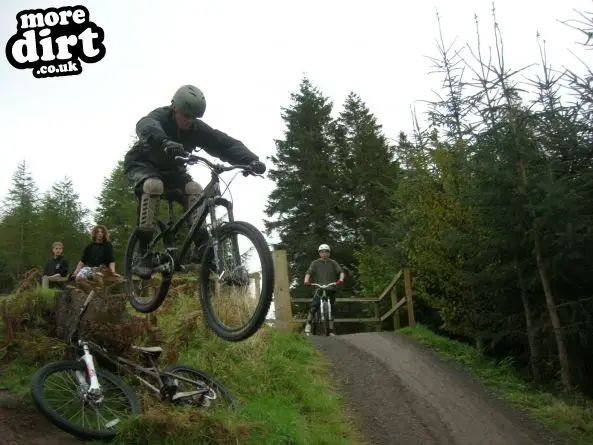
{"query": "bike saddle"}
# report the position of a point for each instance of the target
(154, 351)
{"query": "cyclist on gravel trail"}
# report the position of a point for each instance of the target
(325, 270)
(166, 132)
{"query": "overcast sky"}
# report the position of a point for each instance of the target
(247, 56)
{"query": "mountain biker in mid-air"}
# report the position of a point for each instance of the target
(166, 132)
(326, 270)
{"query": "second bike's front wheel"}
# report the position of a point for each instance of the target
(325, 320)
(221, 302)
(60, 390)
(145, 295)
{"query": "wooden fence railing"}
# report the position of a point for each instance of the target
(283, 302)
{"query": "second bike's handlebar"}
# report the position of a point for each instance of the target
(323, 286)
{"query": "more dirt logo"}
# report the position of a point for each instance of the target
(54, 41)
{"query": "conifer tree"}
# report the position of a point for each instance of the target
(19, 227)
(305, 171)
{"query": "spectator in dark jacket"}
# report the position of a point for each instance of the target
(57, 265)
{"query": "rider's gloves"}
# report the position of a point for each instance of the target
(258, 167)
(173, 148)
(340, 282)
(307, 283)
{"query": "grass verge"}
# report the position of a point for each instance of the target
(570, 415)
(279, 378)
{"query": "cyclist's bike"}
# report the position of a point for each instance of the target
(324, 314)
(91, 402)
(225, 283)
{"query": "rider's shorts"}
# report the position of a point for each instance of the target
(86, 272)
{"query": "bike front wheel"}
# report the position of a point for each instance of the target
(325, 321)
(60, 391)
(145, 295)
(236, 302)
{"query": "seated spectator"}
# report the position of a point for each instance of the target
(99, 252)
(57, 266)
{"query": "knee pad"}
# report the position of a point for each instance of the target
(153, 186)
(192, 191)
(192, 188)
(152, 190)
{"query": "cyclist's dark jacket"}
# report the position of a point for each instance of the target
(97, 254)
(57, 264)
(324, 271)
(159, 125)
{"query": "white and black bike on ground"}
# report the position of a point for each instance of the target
(86, 400)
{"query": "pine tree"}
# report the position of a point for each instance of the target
(63, 218)
(19, 227)
(369, 174)
(305, 171)
(116, 209)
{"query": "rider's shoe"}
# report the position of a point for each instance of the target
(143, 268)
(197, 253)
(308, 329)
(331, 334)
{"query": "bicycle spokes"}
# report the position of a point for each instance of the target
(234, 286)
(69, 395)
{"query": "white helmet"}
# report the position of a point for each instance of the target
(323, 247)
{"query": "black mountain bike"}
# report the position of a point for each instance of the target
(90, 402)
(221, 269)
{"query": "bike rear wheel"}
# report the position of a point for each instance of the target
(222, 395)
(212, 298)
(112, 387)
(151, 293)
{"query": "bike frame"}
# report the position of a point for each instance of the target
(88, 348)
(324, 299)
(211, 197)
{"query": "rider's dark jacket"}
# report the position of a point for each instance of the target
(159, 125)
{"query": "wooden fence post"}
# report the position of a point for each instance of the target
(396, 320)
(379, 324)
(409, 301)
(282, 303)
(257, 278)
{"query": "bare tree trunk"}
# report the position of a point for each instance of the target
(550, 303)
(534, 354)
(554, 318)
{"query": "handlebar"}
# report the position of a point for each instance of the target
(217, 168)
(324, 286)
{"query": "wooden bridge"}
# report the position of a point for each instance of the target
(283, 301)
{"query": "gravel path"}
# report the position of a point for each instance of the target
(400, 393)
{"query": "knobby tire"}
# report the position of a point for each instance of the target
(267, 282)
(55, 418)
(209, 379)
(150, 305)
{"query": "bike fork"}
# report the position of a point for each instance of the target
(87, 358)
